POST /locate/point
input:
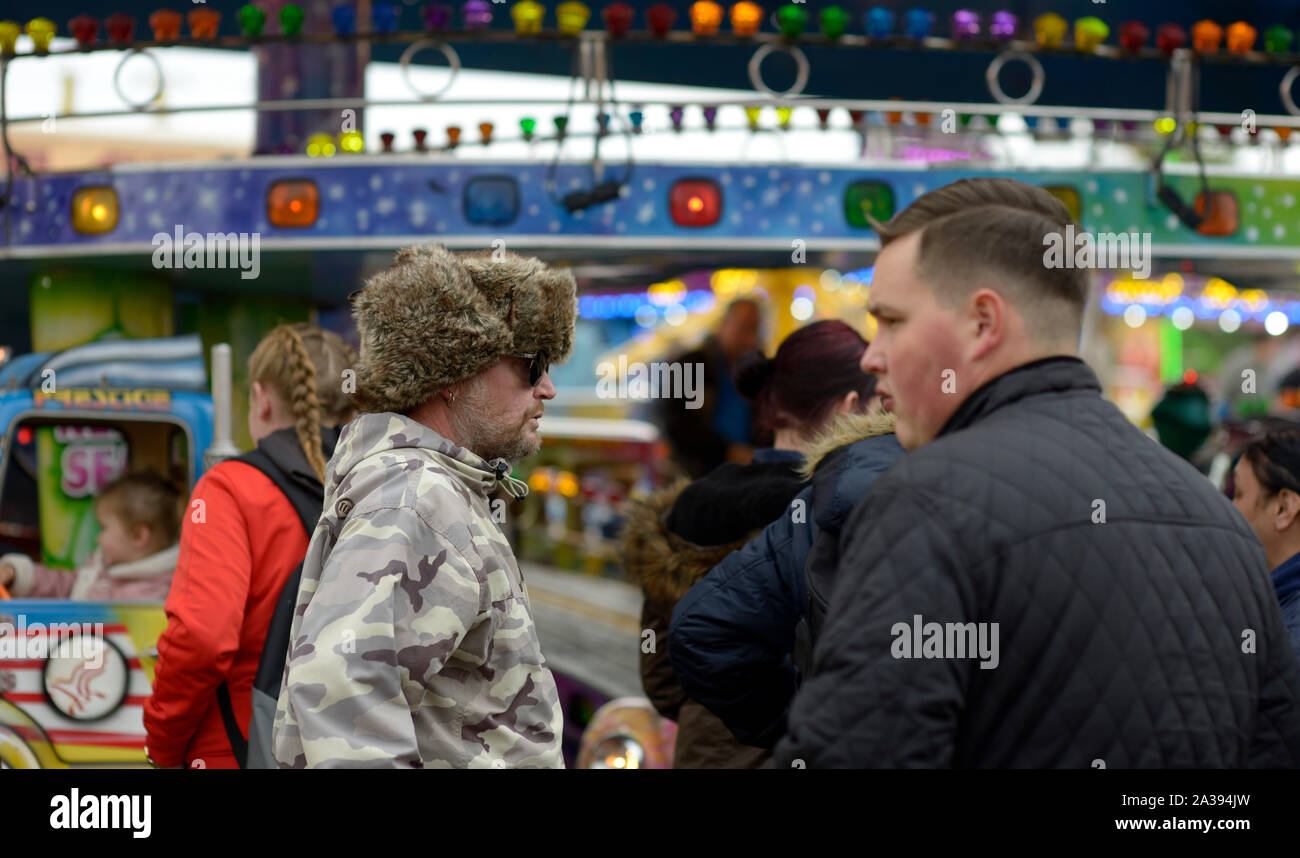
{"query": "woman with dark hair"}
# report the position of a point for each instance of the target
(676, 536)
(1266, 490)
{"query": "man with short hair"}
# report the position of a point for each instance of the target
(413, 643)
(1037, 583)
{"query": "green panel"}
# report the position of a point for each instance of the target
(241, 321)
(1171, 352)
(73, 466)
(72, 307)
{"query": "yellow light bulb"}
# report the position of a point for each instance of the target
(573, 17)
(528, 15)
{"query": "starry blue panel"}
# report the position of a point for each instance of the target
(365, 199)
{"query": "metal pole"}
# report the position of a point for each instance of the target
(223, 447)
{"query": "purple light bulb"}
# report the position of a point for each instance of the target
(676, 115)
(437, 16)
(1003, 25)
(477, 14)
(710, 116)
(965, 24)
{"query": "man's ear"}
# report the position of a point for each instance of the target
(1288, 507)
(988, 316)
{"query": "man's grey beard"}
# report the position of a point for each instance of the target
(483, 438)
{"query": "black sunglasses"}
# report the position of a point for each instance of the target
(538, 364)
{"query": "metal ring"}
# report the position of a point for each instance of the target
(453, 62)
(801, 74)
(1287, 101)
(117, 79)
(995, 69)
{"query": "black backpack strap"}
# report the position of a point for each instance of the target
(307, 506)
(238, 743)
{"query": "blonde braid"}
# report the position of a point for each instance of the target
(302, 398)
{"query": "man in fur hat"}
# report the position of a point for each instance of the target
(413, 643)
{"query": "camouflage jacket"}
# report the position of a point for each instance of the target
(413, 642)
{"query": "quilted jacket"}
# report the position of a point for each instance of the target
(733, 636)
(1135, 620)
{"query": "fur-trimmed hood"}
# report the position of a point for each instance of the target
(435, 318)
(844, 430)
(666, 565)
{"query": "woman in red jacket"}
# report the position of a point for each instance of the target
(240, 541)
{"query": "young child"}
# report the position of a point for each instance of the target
(139, 520)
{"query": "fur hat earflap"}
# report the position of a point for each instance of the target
(435, 318)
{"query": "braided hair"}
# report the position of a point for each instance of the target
(304, 364)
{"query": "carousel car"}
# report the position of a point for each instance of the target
(74, 675)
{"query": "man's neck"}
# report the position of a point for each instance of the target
(1003, 364)
(435, 414)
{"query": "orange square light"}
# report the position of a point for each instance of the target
(293, 203)
(94, 210)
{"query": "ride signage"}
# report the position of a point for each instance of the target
(106, 399)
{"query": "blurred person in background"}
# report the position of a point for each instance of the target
(675, 537)
(720, 430)
(1266, 490)
(1182, 423)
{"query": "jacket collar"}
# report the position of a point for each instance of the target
(1047, 375)
(1286, 577)
(771, 454)
(162, 563)
(372, 434)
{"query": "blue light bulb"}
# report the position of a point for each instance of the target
(880, 23)
(918, 23)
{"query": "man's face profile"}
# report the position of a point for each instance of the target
(916, 353)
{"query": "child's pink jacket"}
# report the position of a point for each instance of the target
(143, 580)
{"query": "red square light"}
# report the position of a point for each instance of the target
(695, 202)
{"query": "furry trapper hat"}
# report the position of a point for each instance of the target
(435, 318)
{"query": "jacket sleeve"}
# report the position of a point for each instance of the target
(863, 705)
(1276, 743)
(205, 613)
(733, 632)
(35, 581)
(661, 686)
(394, 601)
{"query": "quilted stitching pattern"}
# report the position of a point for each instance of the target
(1119, 641)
